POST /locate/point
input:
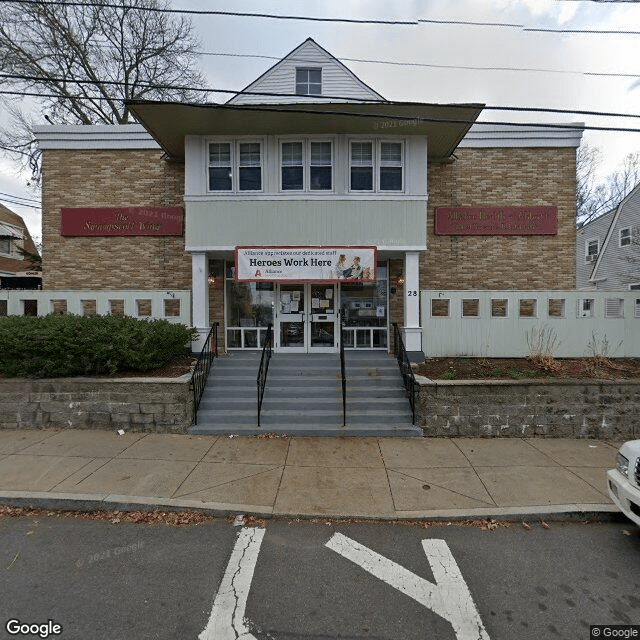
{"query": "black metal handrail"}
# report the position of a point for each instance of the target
(344, 377)
(202, 368)
(406, 371)
(261, 381)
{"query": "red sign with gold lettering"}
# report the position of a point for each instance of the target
(497, 221)
(122, 221)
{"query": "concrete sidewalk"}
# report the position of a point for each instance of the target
(341, 477)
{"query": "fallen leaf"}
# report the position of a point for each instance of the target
(526, 525)
(544, 525)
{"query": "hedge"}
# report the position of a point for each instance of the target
(66, 345)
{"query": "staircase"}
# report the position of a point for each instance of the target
(303, 396)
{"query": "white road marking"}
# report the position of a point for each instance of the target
(449, 597)
(226, 621)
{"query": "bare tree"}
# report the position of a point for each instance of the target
(84, 60)
(595, 198)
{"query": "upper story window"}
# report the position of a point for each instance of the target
(308, 81)
(591, 250)
(5, 245)
(306, 166)
(625, 237)
(235, 166)
(376, 166)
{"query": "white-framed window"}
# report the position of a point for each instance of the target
(376, 165)
(235, 166)
(635, 286)
(306, 165)
(591, 250)
(361, 165)
(391, 166)
(308, 81)
(625, 237)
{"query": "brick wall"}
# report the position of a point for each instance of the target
(501, 177)
(113, 178)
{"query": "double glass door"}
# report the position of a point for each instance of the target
(306, 319)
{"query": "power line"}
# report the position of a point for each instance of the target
(20, 204)
(606, 114)
(273, 16)
(430, 65)
(208, 12)
(11, 195)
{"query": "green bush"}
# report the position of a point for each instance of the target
(66, 345)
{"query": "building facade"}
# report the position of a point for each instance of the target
(309, 198)
(16, 271)
(608, 248)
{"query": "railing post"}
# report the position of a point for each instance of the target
(406, 371)
(261, 380)
(342, 371)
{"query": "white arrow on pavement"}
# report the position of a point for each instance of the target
(449, 597)
(226, 621)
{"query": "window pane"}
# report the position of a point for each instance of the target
(361, 153)
(320, 178)
(250, 154)
(220, 178)
(219, 154)
(292, 178)
(361, 178)
(315, 76)
(291, 153)
(250, 179)
(320, 153)
(391, 153)
(391, 178)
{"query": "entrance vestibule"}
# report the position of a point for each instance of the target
(306, 316)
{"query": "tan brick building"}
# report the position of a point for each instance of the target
(266, 180)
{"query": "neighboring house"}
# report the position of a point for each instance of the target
(371, 200)
(608, 248)
(16, 271)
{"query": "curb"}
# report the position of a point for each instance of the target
(96, 502)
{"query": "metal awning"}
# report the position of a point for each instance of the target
(8, 232)
(444, 125)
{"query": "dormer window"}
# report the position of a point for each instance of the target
(308, 81)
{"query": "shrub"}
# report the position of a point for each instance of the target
(67, 345)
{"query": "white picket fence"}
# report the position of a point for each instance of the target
(511, 324)
(173, 306)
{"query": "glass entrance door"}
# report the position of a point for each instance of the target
(306, 318)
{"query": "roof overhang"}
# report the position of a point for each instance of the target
(170, 122)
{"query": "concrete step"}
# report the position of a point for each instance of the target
(309, 430)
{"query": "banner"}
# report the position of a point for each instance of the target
(306, 264)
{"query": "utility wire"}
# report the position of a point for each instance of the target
(273, 16)
(20, 204)
(11, 195)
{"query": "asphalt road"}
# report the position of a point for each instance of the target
(316, 580)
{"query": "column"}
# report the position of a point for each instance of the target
(412, 328)
(200, 298)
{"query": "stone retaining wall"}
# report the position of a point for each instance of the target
(602, 409)
(157, 405)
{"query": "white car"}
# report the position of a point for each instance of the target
(624, 480)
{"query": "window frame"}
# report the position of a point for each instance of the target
(626, 237)
(308, 82)
(306, 143)
(587, 253)
(380, 165)
(377, 164)
(235, 165)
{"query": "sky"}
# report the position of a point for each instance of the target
(536, 61)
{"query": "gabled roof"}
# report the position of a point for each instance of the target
(276, 84)
(618, 210)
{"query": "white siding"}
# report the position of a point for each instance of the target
(337, 80)
(596, 230)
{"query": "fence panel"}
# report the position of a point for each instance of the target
(173, 306)
(511, 324)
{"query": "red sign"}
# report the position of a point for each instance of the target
(122, 221)
(496, 221)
